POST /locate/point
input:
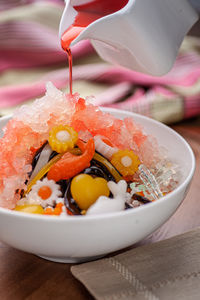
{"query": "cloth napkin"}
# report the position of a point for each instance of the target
(166, 270)
(31, 55)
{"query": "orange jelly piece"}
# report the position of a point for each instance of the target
(45, 192)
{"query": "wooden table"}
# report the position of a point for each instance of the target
(25, 276)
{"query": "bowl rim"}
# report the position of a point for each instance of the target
(119, 214)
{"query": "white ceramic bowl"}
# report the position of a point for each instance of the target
(83, 238)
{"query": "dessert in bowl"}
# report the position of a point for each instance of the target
(98, 229)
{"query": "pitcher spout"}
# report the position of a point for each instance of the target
(141, 35)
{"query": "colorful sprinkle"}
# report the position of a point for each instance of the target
(126, 162)
(62, 138)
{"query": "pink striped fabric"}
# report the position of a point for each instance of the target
(29, 44)
(9, 4)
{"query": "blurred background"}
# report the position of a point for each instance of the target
(31, 55)
(195, 3)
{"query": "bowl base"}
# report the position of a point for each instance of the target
(71, 260)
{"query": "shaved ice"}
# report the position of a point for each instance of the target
(29, 129)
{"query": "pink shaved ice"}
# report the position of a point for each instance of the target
(30, 125)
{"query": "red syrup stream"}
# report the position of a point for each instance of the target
(86, 14)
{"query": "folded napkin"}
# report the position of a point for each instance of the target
(166, 270)
(31, 55)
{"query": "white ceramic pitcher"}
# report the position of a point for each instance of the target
(144, 36)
